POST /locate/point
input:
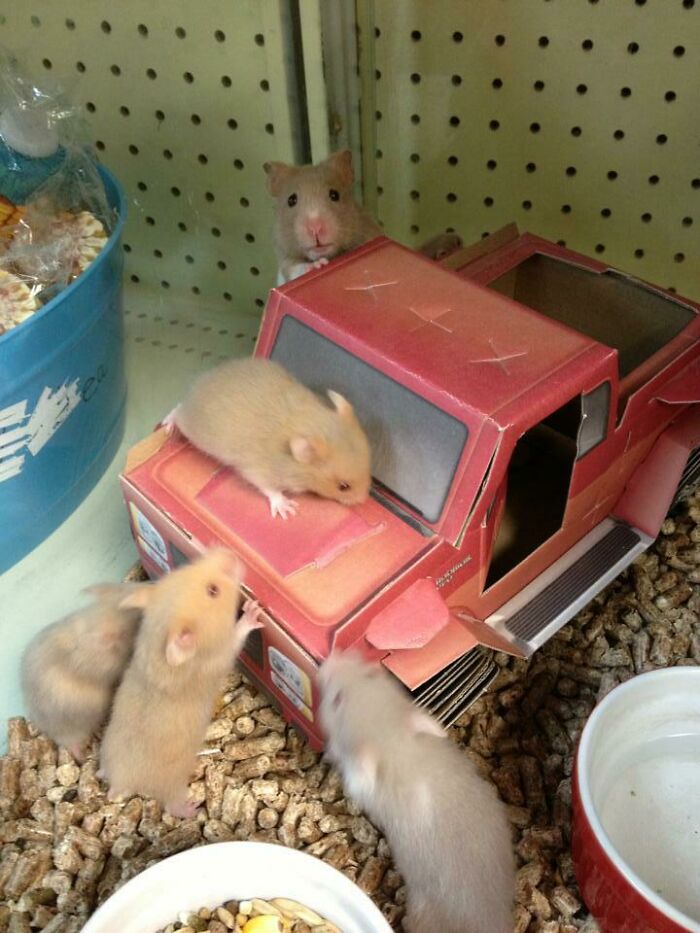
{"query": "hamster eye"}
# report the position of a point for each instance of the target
(333, 195)
(213, 590)
(292, 200)
(343, 486)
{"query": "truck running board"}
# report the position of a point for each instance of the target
(448, 693)
(550, 600)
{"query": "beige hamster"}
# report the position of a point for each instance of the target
(445, 825)
(71, 668)
(189, 638)
(317, 217)
(251, 414)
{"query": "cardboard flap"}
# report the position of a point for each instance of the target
(684, 389)
(413, 668)
(411, 621)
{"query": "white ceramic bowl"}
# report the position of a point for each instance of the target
(211, 874)
(636, 831)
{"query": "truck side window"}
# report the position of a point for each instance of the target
(594, 419)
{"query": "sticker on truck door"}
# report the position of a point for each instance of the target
(293, 676)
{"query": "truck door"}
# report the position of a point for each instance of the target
(535, 488)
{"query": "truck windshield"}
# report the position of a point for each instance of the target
(416, 446)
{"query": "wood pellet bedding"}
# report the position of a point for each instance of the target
(64, 848)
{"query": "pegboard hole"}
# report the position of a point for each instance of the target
(625, 92)
(99, 145)
(416, 35)
(575, 130)
(415, 78)
(456, 80)
(135, 279)
(47, 63)
(226, 81)
(639, 254)
(142, 29)
(249, 238)
(695, 183)
(270, 128)
(189, 259)
(254, 270)
(457, 37)
(499, 39)
(202, 159)
(454, 121)
(535, 127)
(142, 186)
(415, 228)
(415, 118)
(538, 85)
(165, 284)
(188, 77)
(151, 73)
(605, 212)
(543, 42)
(571, 170)
(116, 70)
(646, 218)
(452, 160)
(160, 116)
(566, 208)
(491, 164)
(259, 303)
(35, 21)
(221, 265)
(581, 89)
(679, 51)
(679, 257)
(151, 221)
(134, 150)
(494, 125)
(600, 247)
(264, 85)
(90, 107)
(80, 66)
(196, 119)
(662, 139)
(238, 164)
(180, 32)
(414, 157)
(563, 242)
(531, 167)
(182, 226)
(124, 111)
(415, 195)
(619, 134)
(612, 175)
(654, 179)
(587, 45)
(175, 192)
(497, 83)
(158, 254)
(526, 205)
(687, 221)
(633, 48)
(670, 96)
(488, 202)
(228, 296)
(209, 196)
(105, 26)
(688, 4)
(259, 39)
(220, 35)
(232, 124)
(70, 24)
(451, 197)
(215, 232)
(127, 247)
(244, 202)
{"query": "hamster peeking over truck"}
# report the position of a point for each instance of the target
(532, 414)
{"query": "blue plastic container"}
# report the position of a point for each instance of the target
(62, 399)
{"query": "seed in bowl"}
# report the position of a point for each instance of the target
(279, 915)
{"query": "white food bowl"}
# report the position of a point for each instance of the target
(209, 875)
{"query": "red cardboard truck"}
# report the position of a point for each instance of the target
(532, 414)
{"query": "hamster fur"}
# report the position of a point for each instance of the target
(252, 415)
(71, 668)
(445, 825)
(188, 640)
(317, 217)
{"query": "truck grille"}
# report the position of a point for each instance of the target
(583, 573)
(691, 472)
(447, 694)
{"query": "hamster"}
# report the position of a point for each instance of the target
(317, 217)
(251, 414)
(446, 827)
(71, 668)
(188, 640)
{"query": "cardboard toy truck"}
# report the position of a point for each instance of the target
(531, 414)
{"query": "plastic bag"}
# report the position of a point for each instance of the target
(54, 213)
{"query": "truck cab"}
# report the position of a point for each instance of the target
(530, 414)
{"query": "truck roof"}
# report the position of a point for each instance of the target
(403, 312)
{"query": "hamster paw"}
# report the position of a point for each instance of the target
(281, 505)
(250, 618)
(169, 421)
(77, 750)
(319, 264)
(184, 809)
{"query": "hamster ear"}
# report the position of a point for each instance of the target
(180, 647)
(422, 723)
(277, 174)
(137, 599)
(341, 404)
(308, 449)
(341, 163)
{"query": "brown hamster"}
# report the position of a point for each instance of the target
(189, 638)
(445, 825)
(71, 668)
(317, 217)
(251, 414)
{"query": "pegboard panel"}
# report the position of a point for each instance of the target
(577, 119)
(185, 104)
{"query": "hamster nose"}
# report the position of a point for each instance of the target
(316, 228)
